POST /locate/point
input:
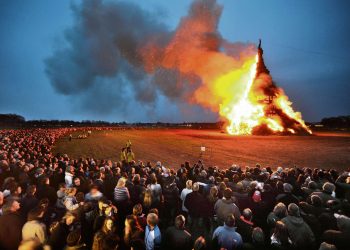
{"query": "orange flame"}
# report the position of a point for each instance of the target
(230, 78)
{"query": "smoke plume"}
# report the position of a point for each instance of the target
(117, 55)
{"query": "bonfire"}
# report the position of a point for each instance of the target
(263, 108)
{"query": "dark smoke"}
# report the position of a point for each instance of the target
(100, 66)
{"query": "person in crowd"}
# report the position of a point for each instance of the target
(107, 229)
(278, 213)
(69, 175)
(183, 195)
(94, 195)
(339, 237)
(226, 236)
(200, 244)
(141, 218)
(133, 233)
(29, 201)
(34, 228)
(327, 193)
(195, 203)
(70, 201)
(156, 190)
(59, 231)
(280, 237)
(177, 237)
(152, 233)
(287, 197)
(11, 224)
(75, 242)
(225, 206)
(245, 225)
(299, 232)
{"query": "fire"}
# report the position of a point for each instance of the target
(246, 113)
(230, 79)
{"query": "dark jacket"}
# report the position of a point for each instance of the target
(195, 202)
(245, 229)
(177, 239)
(299, 232)
(10, 230)
(287, 198)
(58, 236)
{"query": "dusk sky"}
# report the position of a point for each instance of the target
(306, 48)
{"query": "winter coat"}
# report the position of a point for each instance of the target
(196, 204)
(299, 232)
(227, 238)
(175, 238)
(10, 231)
(34, 230)
(225, 207)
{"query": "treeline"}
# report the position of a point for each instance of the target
(340, 122)
(17, 121)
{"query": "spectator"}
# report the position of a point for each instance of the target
(280, 237)
(74, 241)
(299, 232)
(327, 193)
(176, 237)
(152, 233)
(107, 229)
(245, 225)
(34, 228)
(226, 206)
(133, 233)
(226, 236)
(11, 224)
(60, 230)
(287, 197)
(184, 193)
(340, 237)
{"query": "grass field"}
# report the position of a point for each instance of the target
(175, 146)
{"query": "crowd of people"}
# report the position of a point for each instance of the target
(54, 202)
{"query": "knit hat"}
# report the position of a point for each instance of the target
(328, 187)
(293, 210)
(256, 196)
(287, 187)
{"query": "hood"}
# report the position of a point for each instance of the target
(230, 201)
(343, 223)
(296, 221)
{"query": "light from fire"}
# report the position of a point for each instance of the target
(260, 105)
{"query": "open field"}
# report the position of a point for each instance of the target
(175, 146)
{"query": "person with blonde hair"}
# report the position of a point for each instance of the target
(121, 193)
(184, 193)
(152, 232)
(70, 201)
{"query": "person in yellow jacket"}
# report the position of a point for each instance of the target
(128, 144)
(123, 155)
(130, 155)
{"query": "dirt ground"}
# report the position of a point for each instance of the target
(175, 146)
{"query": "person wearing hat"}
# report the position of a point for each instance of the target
(299, 232)
(327, 193)
(287, 197)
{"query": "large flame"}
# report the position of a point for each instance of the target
(248, 112)
(228, 78)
